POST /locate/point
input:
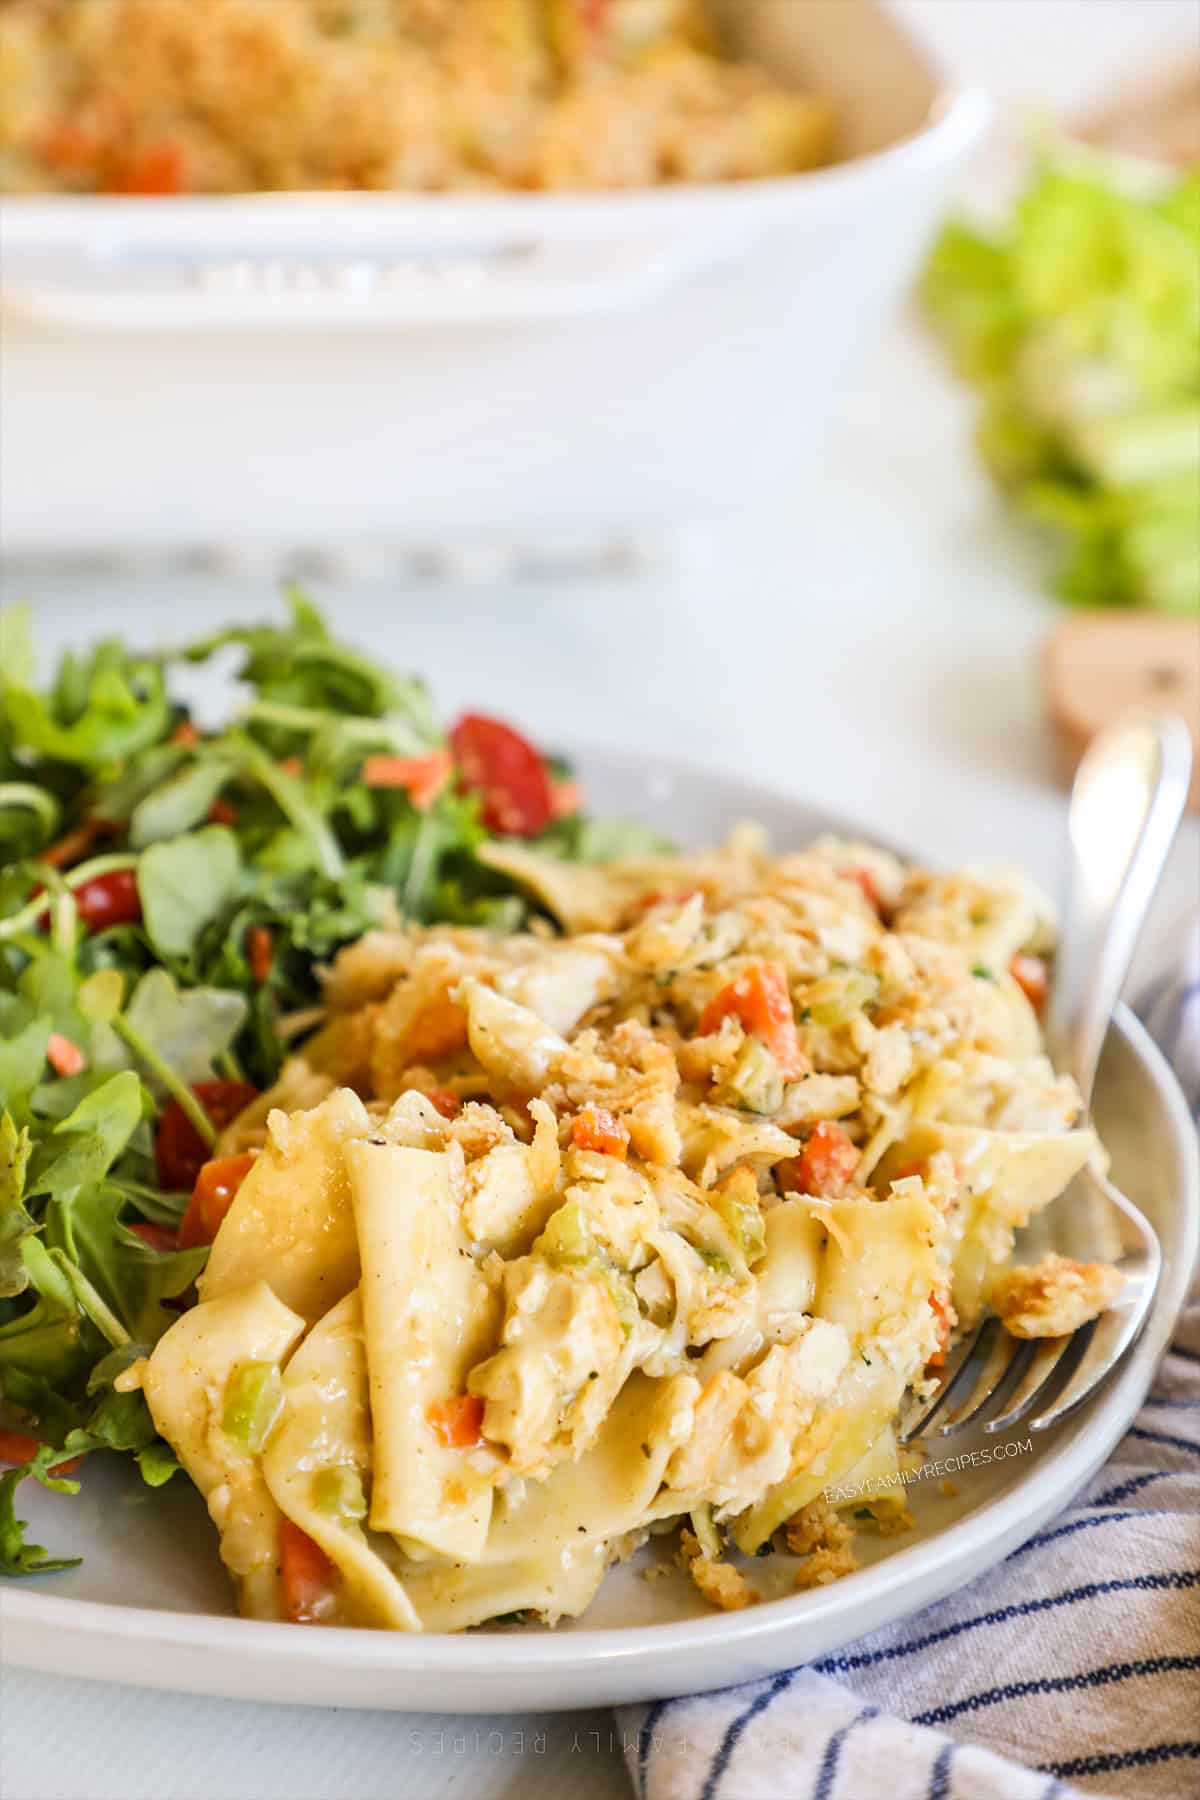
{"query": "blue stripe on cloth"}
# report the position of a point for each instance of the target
(1170, 1400)
(1018, 1609)
(827, 1774)
(1162, 1437)
(1054, 1789)
(1108, 1676)
(1113, 1518)
(1124, 1490)
(733, 1733)
(1107, 1762)
(939, 1781)
(644, 1740)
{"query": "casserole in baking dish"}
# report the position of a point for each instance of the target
(310, 370)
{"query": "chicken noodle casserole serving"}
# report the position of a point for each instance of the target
(227, 96)
(546, 1242)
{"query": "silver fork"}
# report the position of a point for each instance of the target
(1126, 806)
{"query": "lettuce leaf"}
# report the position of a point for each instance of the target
(1080, 324)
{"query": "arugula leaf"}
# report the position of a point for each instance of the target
(98, 713)
(16, 1556)
(185, 883)
(15, 1222)
(52, 1339)
(17, 660)
(22, 1060)
(189, 1028)
(182, 801)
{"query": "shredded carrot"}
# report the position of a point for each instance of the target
(422, 777)
(17, 1448)
(260, 953)
(1031, 976)
(65, 1058)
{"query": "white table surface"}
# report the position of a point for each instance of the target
(875, 645)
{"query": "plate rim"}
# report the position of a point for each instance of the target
(887, 1589)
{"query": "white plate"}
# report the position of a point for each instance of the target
(150, 1605)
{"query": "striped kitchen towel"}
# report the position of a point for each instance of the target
(1073, 1668)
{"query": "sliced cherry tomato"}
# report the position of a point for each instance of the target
(179, 1150)
(161, 169)
(759, 997)
(260, 953)
(157, 1237)
(217, 1183)
(111, 899)
(501, 766)
(445, 1099)
(309, 1578)
(1031, 976)
(222, 812)
(64, 1057)
(457, 1421)
(595, 1128)
(421, 777)
(823, 1167)
(17, 1448)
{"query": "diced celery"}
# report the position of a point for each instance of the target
(339, 1492)
(755, 1081)
(745, 1221)
(253, 1397)
(567, 1237)
(837, 998)
(707, 1535)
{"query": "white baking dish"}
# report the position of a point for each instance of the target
(293, 370)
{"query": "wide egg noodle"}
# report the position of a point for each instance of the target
(326, 1425)
(429, 1316)
(184, 1383)
(547, 1551)
(877, 1273)
(1007, 1177)
(292, 1223)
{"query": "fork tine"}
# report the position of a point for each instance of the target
(1114, 1331)
(1004, 1368)
(1053, 1363)
(961, 1369)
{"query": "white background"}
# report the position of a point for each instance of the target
(876, 645)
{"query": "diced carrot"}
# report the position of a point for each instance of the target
(158, 1237)
(759, 997)
(70, 146)
(185, 735)
(422, 777)
(260, 953)
(17, 1448)
(437, 1030)
(457, 1421)
(1030, 975)
(864, 879)
(222, 812)
(445, 1099)
(946, 1319)
(308, 1577)
(823, 1167)
(213, 1195)
(158, 170)
(566, 799)
(65, 1058)
(595, 1128)
(74, 845)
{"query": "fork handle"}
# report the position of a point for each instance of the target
(1126, 805)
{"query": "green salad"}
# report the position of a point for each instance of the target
(1080, 324)
(167, 896)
